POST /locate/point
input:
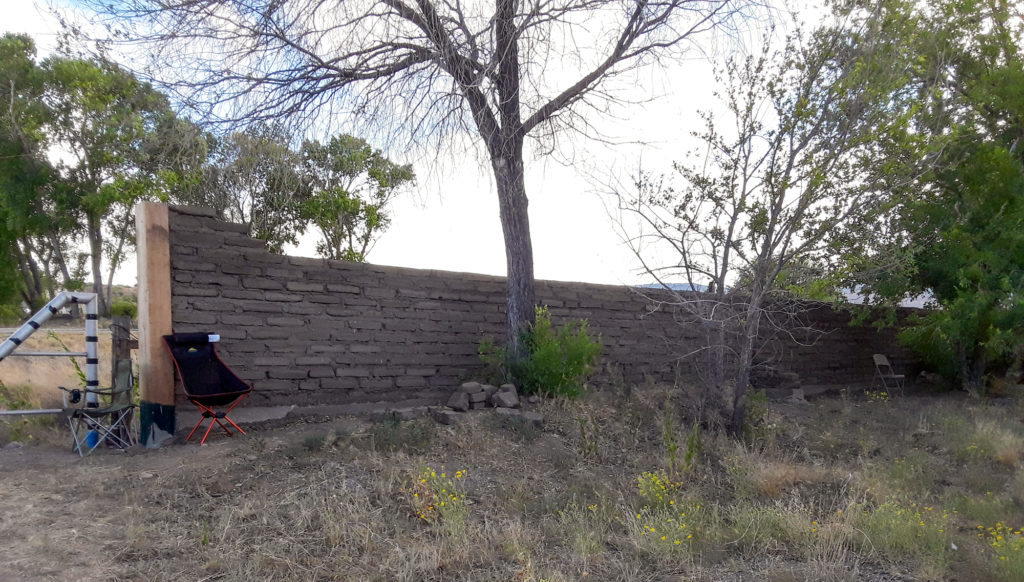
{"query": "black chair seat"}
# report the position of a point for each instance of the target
(207, 381)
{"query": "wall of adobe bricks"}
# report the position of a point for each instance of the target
(309, 331)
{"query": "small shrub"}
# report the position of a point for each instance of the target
(1007, 544)
(983, 509)
(560, 359)
(493, 357)
(438, 499)
(392, 434)
(674, 530)
(668, 434)
(657, 489)
(585, 527)
(879, 396)
(125, 307)
(920, 532)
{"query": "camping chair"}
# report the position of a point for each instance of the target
(208, 382)
(112, 424)
(890, 379)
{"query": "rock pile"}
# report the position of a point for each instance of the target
(475, 396)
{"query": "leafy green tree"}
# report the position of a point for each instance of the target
(102, 117)
(478, 74)
(256, 179)
(957, 231)
(36, 230)
(350, 185)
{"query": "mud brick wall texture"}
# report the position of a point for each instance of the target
(310, 331)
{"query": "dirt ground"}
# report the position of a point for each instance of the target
(859, 487)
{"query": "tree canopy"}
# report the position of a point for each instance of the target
(956, 230)
(419, 71)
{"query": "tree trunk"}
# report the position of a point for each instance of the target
(515, 224)
(712, 401)
(95, 234)
(744, 363)
(973, 371)
(62, 264)
(32, 293)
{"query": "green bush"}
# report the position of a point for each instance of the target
(125, 306)
(559, 359)
(493, 356)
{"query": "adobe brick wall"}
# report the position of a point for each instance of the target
(310, 331)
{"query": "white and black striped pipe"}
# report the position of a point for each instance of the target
(91, 335)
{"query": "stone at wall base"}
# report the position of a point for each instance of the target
(507, 412)
(447, 417)
(459, 401)
(505, 400)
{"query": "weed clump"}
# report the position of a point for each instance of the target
(438, 499)
(392, 434)
(1007, 544)
(558, 362)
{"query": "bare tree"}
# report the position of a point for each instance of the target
(796, 159)
(428, 71)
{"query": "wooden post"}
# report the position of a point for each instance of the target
(156, 372)
(122, 344)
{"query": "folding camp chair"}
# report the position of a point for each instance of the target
(112, 423)
(890, 379)
(208, 382)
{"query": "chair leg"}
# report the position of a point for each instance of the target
(76, 446)
(206, 434)
(201, 419)
(215, 417)
(238, 428)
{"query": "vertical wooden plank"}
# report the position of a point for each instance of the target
(156, 372)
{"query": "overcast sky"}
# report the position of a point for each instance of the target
(451, 220)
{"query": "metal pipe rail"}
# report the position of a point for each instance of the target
(31, 412)
(91, 353)
(48, 354)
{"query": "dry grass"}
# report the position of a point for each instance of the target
(815, 500)
(773, 478)
(42, 375)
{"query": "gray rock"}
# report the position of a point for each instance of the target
(471, 387)
(505, 400)
(445, 416)
(459, 401)
(507, 388)
(477, 397)
(506, 412)
(409, 413)
(533, 399)
(797, 397)
(489, 390)
(535, 417)
(477, 405)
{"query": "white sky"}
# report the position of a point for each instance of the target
(451, 221)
